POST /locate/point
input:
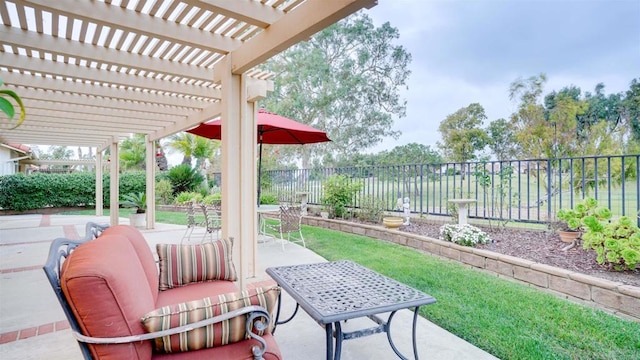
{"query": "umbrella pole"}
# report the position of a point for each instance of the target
(259, 169)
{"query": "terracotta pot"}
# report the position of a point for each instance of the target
(392, 222)
(568, 236)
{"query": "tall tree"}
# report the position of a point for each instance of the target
(412, 153)
(503, 141)
(346, 81)
(57, 153)
(531, 127)
(631, 107)
(462, 133)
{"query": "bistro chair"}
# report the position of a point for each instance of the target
(192, 221)
(212, 220)
(289, 222)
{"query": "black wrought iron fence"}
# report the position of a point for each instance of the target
(515, 190)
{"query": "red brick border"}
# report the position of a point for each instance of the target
(70, 232)
(45, 220)
(33, 331)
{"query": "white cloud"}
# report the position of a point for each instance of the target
(470, 51)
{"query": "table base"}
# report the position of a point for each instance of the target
(334, 331)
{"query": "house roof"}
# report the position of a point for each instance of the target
(24, 149)
(92, 72)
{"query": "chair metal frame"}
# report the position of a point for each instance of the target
(191, 221)
(212, 220)
(289, 222)
(257, 316)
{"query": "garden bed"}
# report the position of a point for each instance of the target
(544, 247)
(532, 257)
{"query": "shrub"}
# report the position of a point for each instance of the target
(184, 178)
(339, 192)
(24, 192)
(573, 219)
(212, 199)
(617, 244)
(185, 197)
(268, 199)
(467, 235)
(164, 191)
(371, 208)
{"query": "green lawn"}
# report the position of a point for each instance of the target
(508, 320)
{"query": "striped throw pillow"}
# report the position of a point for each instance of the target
(184, 264)
(225, 332)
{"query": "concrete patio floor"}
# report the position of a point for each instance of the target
(33, 326)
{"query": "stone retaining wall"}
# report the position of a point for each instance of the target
(619, 299)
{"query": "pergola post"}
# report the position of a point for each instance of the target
(239, 216)
(151, 181)
(99, 188)
(114, 182)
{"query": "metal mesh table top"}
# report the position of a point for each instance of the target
(341, 290)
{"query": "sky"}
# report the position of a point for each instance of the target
(471, 51)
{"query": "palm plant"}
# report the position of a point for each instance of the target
(7, 107)
(137, 201)
(184, 178)
(133, 153)
(192, 146)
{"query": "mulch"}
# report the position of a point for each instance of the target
(544, 247)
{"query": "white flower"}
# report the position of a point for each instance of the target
(467, 235)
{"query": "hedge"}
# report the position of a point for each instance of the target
(22, 192)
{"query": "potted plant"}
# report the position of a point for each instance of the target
(568, 225)
(572, 223)
(137, 201)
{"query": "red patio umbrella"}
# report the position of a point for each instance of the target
(272, 129)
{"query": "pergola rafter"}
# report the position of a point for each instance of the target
(92, 72)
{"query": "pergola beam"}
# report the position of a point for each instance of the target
(299, 24)
(35, 65)
(100, 54)
(93, 90)
(139, 23)
(253, 13)
(39, 99)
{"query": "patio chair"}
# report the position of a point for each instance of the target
(289, 222)
(192, 221)
(212, 220)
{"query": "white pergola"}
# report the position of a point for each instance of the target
(92, 72)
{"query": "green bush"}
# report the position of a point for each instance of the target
(184, 178)
(23, 192)
(617, 244)
(212, 199)
(164, 192)
(339, 192)
(188, 196)
(268, 199)
(371, 208)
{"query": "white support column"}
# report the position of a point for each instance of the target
(239, 216)
(114, 182)
(151, 182)
(99, 188)
(250, 181)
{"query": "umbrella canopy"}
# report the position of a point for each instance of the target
(272, 129)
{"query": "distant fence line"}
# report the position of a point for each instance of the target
(515, 190)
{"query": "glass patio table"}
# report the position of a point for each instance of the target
(332, 292)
